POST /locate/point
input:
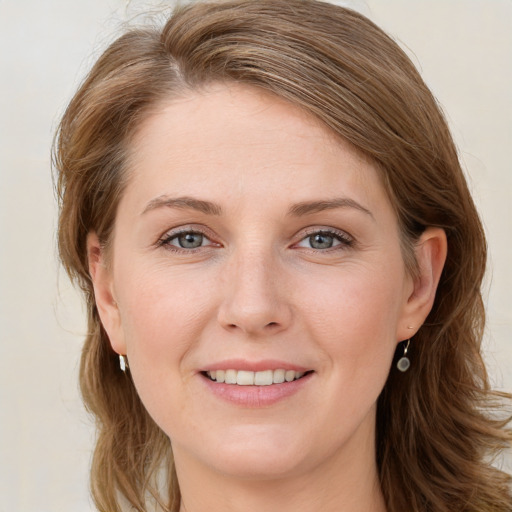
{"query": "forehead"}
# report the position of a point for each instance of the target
(233, 111)
(239, 138)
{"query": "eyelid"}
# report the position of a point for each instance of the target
(171, 234)
(346, 240)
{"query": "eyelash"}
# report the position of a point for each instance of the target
(345, 240)
(166, 240)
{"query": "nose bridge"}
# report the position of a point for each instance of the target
(254, 300)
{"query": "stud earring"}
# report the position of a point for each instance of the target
(123, 363)
(404, 362)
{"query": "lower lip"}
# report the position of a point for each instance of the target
(256, 396)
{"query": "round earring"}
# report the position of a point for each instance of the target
(123, 363)
(404, 362)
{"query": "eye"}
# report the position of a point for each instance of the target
(325, 239)
(188, 239)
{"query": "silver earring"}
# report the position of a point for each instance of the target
(123, 363)
(404, 362)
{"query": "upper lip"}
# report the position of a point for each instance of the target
(254, 366)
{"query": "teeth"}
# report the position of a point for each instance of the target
(230, 377)
(278, 376)
(264, 378)
(247, 378)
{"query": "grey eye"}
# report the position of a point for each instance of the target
(321, 241)
(189, 240)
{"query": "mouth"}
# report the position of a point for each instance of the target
(250, 378)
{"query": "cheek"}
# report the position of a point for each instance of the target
(162, 315)
(354, 325)
(354, 319)
(162, 319)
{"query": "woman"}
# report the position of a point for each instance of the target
(282, 264)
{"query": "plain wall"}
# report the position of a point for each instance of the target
(464, 50)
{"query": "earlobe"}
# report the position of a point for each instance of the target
(430, 252)
(106, 304)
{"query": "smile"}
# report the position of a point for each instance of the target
(249, 378)
(255, 384)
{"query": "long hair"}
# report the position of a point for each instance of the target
(437, 425)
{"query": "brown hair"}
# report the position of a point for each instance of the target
(436, 429)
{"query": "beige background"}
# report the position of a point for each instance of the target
(464, 49)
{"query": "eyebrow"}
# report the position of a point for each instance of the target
(296, 210)
(310, 207)
(185, 202)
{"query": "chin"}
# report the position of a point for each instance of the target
(260, 453)
(260, 465)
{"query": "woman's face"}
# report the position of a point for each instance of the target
(251, 243)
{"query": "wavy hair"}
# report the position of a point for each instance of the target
(438, 426)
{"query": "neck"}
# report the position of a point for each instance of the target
(346, 483)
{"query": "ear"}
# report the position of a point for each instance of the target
(104, 294)
(430, 251)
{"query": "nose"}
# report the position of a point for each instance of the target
(254, 296)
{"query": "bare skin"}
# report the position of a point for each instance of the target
(250, 239)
